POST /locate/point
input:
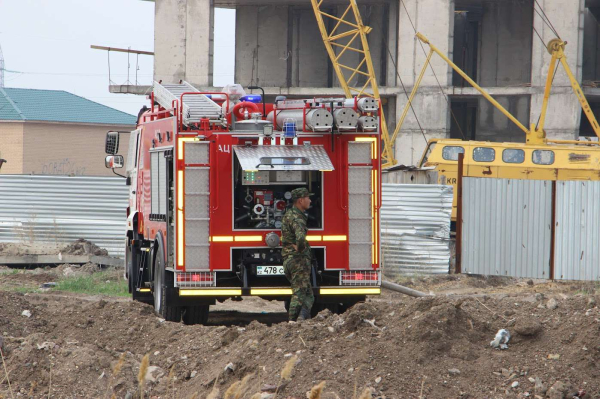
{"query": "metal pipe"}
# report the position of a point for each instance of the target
(367, 124)
(345, 118)
(404, 290)
(317, 119)
(552, 232)
(365, 104)
(459, 209)
(574, 142)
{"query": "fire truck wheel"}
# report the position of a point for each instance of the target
(162, 280)
(195, 314)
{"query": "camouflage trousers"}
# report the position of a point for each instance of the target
(297, 271)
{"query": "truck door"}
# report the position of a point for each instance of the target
(131, 172)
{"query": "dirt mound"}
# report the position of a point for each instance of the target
(398, 346)
(76, 270)
(83, 247)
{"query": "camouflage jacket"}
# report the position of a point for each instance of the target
(293, 231)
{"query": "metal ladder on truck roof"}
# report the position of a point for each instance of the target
(194, 107)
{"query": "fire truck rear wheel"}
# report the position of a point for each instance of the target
(196, 314)
(162, 280)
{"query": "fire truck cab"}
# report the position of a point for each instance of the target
(210, 177)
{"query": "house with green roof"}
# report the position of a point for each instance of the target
(54, 132)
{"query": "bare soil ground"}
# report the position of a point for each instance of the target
(400, 347)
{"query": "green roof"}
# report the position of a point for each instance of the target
(57, 106)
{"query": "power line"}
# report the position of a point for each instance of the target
(546, 19)
(434, 74)
(387, 46)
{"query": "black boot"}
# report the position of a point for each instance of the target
(304, 314)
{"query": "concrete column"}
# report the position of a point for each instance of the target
(183, 51)
(391, 79)
(199, 44)
(434, 19)
(564, 111)
(246, 45)
(308, 57)
(261, 46)
(169, 40)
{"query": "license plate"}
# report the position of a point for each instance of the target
(269, 271)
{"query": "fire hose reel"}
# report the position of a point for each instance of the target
(244, 109)
(259, 209)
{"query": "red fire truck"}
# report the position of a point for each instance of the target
(210, 177)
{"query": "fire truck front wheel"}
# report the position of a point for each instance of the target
(162, 280)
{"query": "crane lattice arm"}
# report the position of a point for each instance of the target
(350, 34)
(534, 135)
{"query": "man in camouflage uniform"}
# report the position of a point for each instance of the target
(297, 255)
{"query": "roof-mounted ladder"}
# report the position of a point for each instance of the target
(193, 108)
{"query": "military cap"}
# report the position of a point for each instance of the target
(300, 193)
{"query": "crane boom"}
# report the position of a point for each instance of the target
(353, 39)
(533, 135)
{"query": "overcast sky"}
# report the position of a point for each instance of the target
(46, 45)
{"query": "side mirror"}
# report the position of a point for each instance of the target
(114, 161)
(128, 181)
(111, 146)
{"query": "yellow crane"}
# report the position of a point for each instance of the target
(350, 34)
(535, 134)
(562, 165)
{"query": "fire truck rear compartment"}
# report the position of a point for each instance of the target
(261, 197)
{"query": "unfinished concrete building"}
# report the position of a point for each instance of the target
(500, 43)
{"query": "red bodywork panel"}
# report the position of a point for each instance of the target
(150, 228)
(335, 189)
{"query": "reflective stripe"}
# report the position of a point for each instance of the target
(211, 292)
(271, 291)
(351, 291)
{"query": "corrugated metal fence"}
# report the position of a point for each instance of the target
(62, 209)
(508, 230)
(577, 247)
(506, 227)
(415, 228)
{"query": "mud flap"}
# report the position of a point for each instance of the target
(172, 298)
